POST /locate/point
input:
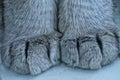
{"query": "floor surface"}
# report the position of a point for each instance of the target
(61, 72)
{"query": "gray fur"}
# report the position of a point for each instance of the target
(70, 54)
(31, 40)
(18, 57)
(23, 20)
(1, 28)
(81, 18)
(38, 58)
(116, 4)
(116, 13)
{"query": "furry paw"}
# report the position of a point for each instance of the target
(90, 52)
(32, 56)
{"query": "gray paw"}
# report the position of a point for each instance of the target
(90, 52)
(33, 56)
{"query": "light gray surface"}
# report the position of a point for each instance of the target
(110, 72)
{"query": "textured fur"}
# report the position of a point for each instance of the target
(26, 20)
(117, 19)
(83, 24)
(1, 28)
(31, 40)
(116, 11)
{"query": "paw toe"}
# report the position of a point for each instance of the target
(109, 49)
(69, 52)
(38, 56)
(16, 57)
(90, 54)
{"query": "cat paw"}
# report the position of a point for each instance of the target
(32, 56)
(90, 51)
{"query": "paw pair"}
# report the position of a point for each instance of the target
(89, 40)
